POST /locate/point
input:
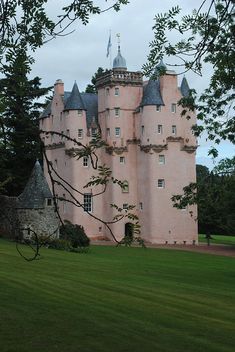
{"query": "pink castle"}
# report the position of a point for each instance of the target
(150, 147)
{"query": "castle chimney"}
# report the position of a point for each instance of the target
(59, 87)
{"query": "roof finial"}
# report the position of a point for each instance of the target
(119, 41)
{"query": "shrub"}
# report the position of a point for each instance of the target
(74, 234)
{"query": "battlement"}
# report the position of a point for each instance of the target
(116, 77)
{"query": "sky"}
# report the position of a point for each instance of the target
(78, 55)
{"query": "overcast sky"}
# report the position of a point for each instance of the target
(78, 55)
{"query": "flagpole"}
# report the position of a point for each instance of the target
(110, 63)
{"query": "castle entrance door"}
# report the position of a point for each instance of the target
(129, 230)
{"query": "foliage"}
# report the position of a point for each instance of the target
(214, 194)
(91, 88)
(207, 37)
(74, 234)
(19, 112)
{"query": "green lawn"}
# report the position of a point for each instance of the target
(230, 240)
(116, 300)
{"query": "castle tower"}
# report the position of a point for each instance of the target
(165, 162)
(119, 92)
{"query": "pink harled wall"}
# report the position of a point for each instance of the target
(133, 156)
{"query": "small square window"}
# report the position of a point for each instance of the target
(161, 183)
(159, 129)
(85, 161)
(173, 108)
(116, 91)
(141, 206)
(117, 112)
(173, 129)
(125, 187)
(80, 133)
(125, 206)
(161, 159)
(158, 108)
(142, 130)
(49, 202)
(122, 160)
(117, 131)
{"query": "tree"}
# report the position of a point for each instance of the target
(214, 194)
(19, 113)
(207, 37)
(91, 88)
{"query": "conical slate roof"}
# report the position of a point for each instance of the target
(161, 67)
(152, 94)
(36, 190)
(184, 87)
(119, 62)
(74, 101)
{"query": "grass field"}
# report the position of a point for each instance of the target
(116, 300)
(230, 240)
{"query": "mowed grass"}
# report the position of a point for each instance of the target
(116, 300)
(218, 239)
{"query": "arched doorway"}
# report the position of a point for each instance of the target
(129, 230)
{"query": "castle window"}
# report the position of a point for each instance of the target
(62, 132)
(142, 130)
(173, 108)
(158, 108)
(80, 113)
(107, 91)
(173, 129)
(116, 91)
(159, 129)
(61, 115)
(161, 159)
(161, 183)
(87, 200)
(49, 202)
(117, 112)
(141, 206)
(125, 206)
(125, 187)
(80, 133)
(117, 131)
(85, 161)
(93, 132)
(122, 160)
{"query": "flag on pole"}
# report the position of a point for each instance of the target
(109, 46)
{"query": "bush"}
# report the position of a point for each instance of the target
(74, 234)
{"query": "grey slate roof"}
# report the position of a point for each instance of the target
(47, 111)
(90, 101)
(119, 61)
(36, 190)
(74, 101)
(152, 94)
(184, 88)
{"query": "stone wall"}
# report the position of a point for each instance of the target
(9, 222)
(43, 221)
